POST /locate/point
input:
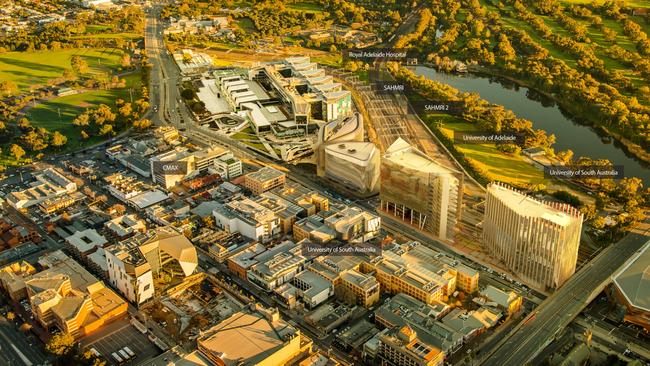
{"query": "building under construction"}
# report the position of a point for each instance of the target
(416, 189)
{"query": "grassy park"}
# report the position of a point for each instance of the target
(57, 114)
(306, 6)
(27, 69)
(512, 169)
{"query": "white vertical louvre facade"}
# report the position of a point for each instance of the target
(537, 240)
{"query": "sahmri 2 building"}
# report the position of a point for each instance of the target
(419, 191)
(537, 240)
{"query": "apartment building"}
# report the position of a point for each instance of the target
(536, 240)
(263, 180)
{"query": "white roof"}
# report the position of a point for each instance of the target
(355, 152)
(147, 199)
(402, 153)
(179, 248)
(634, 279)
(86, 240)
(528, 206)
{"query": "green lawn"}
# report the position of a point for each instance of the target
(632, 3)
(511, 169)
(57, 114)
(246, 24)
(306, 6)
(36, 68)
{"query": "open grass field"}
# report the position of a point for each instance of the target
(57, 114)
(632, 3)
(306, 6)
(246, 24)
(36, 68)
(512, 169)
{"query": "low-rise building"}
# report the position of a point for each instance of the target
(313, 202)
(350, 285)
(56, 204)
(252, 336)
(67, 296)
(171, 167)
(249, 218)
(49, 183)
(263, 180)
(423, 273)
(241, 262)
(124, 226)
(286, 211)
(404, 310)
(509, 302)
(12, 279)
(312, 288)
(228, 167)
(348, 224)
(403, 347)
(82, 243)
(276, 266)
(472, 323)
(124, 187)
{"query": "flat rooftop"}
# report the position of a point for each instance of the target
(354, 152)
(248, 336)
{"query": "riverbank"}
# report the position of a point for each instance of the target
(629, 147)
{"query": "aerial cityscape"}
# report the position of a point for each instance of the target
(324, 182)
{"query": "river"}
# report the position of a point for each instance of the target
(546, 115)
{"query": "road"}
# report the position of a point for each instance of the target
(539, 328)
(165, 76)
(16, 348)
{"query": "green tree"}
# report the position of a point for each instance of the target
(24, 124)
(505, 49)
(8, 87)
(60, 345)
(79, 65)
(609, 35)
(142, 124)
(81, 120)
(16, 151)
(58, 139)
(106, 130)
(125, 110)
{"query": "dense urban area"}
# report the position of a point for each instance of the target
(324, 182)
